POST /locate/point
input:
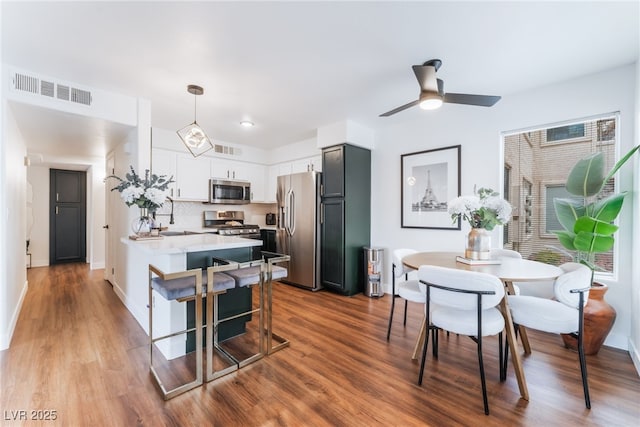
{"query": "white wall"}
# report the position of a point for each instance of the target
(13, 225)
(38, 177)
(634, 338)
(478, 130)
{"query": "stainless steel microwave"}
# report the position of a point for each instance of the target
(229, 192)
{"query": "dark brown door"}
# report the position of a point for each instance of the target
(67, 216)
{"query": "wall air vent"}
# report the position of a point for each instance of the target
(47, 88)
(63, 92)
(26, 83)
(227, 149)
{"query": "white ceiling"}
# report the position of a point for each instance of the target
(292, 67)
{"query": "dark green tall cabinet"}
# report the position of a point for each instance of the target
(346, 216)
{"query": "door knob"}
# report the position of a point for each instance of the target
(105, 226)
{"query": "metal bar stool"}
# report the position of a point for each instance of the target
(184, 286)
(222, 282)
(273, 272)
(245, 274)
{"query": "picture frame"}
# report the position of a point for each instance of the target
(429, 179)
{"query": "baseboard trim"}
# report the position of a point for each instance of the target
(8, 335)
(635, 355)
(140, 313)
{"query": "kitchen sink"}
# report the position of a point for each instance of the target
(177, 233)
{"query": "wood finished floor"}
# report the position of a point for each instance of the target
(78, 351)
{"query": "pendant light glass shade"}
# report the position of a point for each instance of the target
(192, 135)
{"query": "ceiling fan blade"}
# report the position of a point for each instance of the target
(403, 107)
(426, 76)
(463, 98)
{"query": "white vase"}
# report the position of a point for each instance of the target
(478, 244)
(142, 225)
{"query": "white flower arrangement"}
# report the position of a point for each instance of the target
(149, 193)
(484, 210)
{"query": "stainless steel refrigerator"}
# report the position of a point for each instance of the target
(298, 227)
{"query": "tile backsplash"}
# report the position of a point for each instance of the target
(189, 214)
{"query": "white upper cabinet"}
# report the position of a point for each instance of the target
(307, 165)
(163, 162)
(252, 172)
(192, 177)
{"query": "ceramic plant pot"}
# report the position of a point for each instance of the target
(599, 317)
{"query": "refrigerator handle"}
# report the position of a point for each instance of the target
(292, 212)
(287, 212)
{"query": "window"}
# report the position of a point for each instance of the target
(551, 221)
(506, 187)
(565, 132)
(535, 174)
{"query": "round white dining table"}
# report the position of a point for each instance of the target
(508, 270)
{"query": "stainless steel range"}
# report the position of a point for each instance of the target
(230, 223)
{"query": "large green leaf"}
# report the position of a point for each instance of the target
(620, 162)
(590, 242)
(608, 208)
(593, 225)
(566, 239)
(568, 211)
(587, 176)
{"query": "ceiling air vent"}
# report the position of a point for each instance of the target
(25, 83)
(227, 149)
(80, 96)
(63, 92)
(47, 88)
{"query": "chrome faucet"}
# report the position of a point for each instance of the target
(171, 215)
(171, 221)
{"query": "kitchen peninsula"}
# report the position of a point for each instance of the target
(179, 253)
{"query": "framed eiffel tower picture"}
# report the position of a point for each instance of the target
(430, 179)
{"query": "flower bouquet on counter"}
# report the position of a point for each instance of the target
(148, 193)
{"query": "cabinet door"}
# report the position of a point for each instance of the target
(163, 162)
(272, 183)
(333, 171)
(315, 163)
(332, 244)
(300, 166)
(192, 181)
(256, 175)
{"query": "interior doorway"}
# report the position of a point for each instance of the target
(67, 216)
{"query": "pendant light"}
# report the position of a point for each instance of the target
(193, 136)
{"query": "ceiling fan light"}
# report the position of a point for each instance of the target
(431, 103)
(195, 139)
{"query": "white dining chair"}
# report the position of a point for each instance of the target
(464, 303)
(542, 289)
(407, 289)
(564, 315)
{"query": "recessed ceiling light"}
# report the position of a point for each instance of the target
(246, 124)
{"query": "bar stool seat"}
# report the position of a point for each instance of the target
(184, 287)
(251, 275)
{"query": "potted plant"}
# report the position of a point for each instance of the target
(588, 226)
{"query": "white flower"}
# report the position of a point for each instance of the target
(131, 194)
(155, 195)
(485, 210)
(149, 192)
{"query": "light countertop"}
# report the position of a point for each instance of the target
(190, 243)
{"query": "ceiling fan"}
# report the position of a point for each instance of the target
(432, 93)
